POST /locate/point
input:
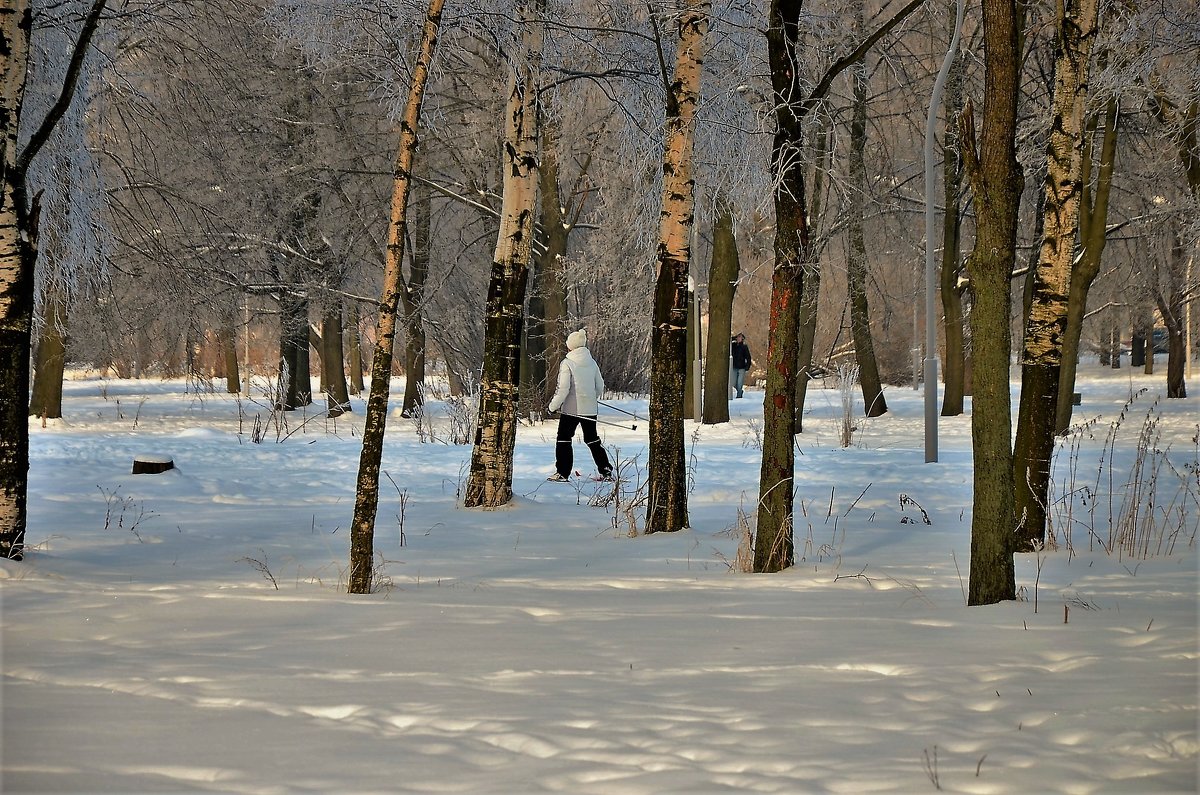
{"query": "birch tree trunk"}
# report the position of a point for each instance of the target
(722, 287)
(1041, 361)
(18, 254)
(996, 181)
(1093, 221)
(366, 495)
(489, 484)
(667, 481)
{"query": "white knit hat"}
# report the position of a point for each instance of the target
(577, 339)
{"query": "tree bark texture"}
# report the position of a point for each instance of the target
(295, 387)
(874, 403)
(1170, 299)
(366, 495)
(227, 349)
(354, 354)
(337, 395)
(18, 254)
(547, 337)
(1093, 221)
(954, 365)
(666, 509)
(49, 360)
(773, 544)
(811, 290)
(722, 287)
(413, 301)
(1041, 360)
(489, 484)
(996, 181)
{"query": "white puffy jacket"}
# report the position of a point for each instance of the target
(580, 385)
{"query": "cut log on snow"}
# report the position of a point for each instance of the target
(152, 464)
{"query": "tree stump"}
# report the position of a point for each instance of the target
(152, 464)
(1077, 398)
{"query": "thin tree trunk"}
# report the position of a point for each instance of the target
(690, 410)
(667, 481)
(489, 484)
(548, 305)
(996, 182)
(413, 301)
(811, 288)
(227, 350)
(1093, 220)
(722, 287)
(874, 403)
(354, 352)
(952, 292)
(1041, 363)
(366, 496)
(1171, 302)
(49, 361)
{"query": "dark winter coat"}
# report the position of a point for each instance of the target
(741, 355)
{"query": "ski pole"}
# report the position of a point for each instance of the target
(623, 411)
(602, 422)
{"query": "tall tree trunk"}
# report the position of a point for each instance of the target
(354, 352)
(1041, 361)
(18, 254)
(1093, 220)
(722, 287)
(952, 303)
(295, 382)
(1171, 299)
(227, 350)
(366, 495)
(337, 396)
(996, 181)
(489, 484)
(547, 336)
(874, 403)
(49, 361)
(690, 410)
(667, 481)
(773, 542)
(811, 287)
(413, 301)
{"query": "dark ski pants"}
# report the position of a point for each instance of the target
(563, 455)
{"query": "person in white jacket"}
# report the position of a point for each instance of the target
(580, 386)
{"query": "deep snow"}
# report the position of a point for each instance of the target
(539, 648)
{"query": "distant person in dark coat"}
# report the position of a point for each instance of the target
(580, 386)
(739, 351)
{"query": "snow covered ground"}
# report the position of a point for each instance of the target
(187, 631)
